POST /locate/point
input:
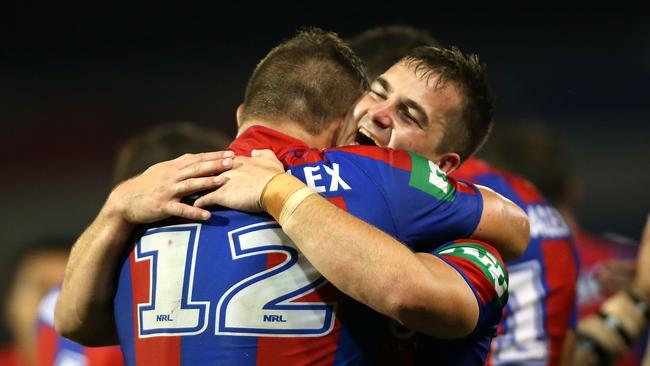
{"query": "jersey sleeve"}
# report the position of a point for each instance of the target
(486, 274)
(426, 206)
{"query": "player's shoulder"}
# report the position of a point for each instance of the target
(508, 184)
(386, 156)
(357, 154)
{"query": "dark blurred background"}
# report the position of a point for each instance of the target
(75, 82)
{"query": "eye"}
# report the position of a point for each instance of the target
(407, 117)
(376, 94)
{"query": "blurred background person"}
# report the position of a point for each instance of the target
(163, 142)
(618, 327)
(36, 268)
(381, 47)
(607, 262)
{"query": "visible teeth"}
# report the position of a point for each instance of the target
(368, 135)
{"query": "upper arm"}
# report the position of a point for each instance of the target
(467, 291)
(503, 224)
(445, 307)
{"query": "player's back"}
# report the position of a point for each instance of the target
(542, 281)
(234, 290)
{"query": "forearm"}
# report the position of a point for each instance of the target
(84, 311)
(375, 269)
(622, 319)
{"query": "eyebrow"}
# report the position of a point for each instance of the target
(419, 110)
(409, 102)
(384, 84)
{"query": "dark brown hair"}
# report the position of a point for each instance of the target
(474, 122)
(311, 79)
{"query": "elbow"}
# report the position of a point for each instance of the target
(521, 235)
(68, 324)
(64, 323)
(517, 233)
(441, 318)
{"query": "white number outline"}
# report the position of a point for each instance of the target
(276, 304)
(188, 284)
(282, 302)
(507, 348)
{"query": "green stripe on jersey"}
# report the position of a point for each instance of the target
(486, 262)
(427, 177)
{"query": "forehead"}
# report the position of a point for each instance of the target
(423, 88)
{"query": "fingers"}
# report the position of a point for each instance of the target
(210, 199)
(186, 211)
(194, 185)
(205, 168)
(268, 159)
(188, 159)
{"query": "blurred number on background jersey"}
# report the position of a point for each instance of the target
(524, 338)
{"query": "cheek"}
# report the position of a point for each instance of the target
(401, 139)
(361, 108)
(411, 140)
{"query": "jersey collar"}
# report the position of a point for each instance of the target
(260, 137)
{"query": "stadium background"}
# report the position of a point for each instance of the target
(74, 82)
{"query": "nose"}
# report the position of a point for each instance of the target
(382, 114)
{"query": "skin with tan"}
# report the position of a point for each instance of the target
(403, 110)
(441, 308)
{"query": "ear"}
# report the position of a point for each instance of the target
(449, 162)
(240, 112)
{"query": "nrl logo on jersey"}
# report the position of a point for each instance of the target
(427, 177)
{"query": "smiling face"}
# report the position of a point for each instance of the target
(407, 110)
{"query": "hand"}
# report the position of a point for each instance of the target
(615, 275)
(245, 182)
(156, 194)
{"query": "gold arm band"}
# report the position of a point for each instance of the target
(293, 202)
(277, 191)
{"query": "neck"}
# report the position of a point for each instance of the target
(292, 129)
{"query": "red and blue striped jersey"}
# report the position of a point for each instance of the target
(542, 303)
(53, 349)
(234, 290)
(483, 269)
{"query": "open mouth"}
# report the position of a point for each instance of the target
(364, 138)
